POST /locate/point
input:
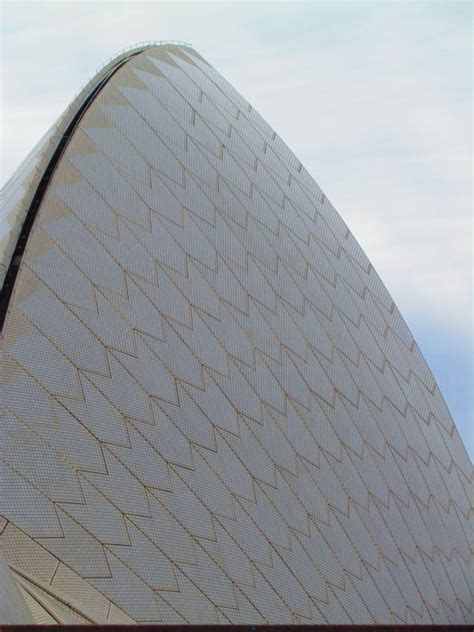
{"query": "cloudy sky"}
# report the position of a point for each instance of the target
(374, 98)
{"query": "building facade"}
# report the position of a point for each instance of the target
(212, 409)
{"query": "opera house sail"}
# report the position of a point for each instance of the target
(212, 410)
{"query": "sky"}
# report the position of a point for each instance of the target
(375, 99)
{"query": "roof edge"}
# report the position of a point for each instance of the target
(21, 217)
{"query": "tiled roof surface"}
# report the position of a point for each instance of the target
(212, 409)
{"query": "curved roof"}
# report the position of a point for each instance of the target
(214, 411)
(23, 192)
(14, 205)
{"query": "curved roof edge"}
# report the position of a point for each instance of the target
(22, 194)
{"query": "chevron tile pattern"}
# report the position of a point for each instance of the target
(212, 410)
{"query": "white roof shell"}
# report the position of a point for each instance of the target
(213, 410)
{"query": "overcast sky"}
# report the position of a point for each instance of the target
(374, 98)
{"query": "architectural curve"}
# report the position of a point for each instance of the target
(23, 193)
(212, 409)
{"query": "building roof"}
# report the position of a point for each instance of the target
(214, 411)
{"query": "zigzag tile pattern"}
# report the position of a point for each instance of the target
(212, 409)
